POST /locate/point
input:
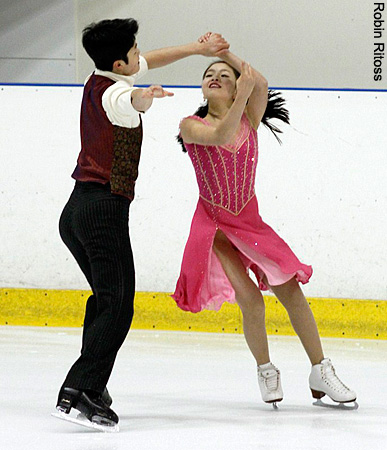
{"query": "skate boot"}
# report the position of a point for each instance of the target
(269, 381)
(94, 411)
(106, 397)
(324, 381)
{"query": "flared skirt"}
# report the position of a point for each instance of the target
(203, 284)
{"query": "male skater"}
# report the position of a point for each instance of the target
(94, 222)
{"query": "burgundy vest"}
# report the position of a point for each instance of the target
(109, 153)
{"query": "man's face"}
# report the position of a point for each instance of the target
(134, 61)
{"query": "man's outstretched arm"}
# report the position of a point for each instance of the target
(164, 56)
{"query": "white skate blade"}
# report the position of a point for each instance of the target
(350, 406)
(84, 422)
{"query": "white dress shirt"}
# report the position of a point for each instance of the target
(117, 99)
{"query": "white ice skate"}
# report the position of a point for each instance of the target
(324, 381)
(269, 381)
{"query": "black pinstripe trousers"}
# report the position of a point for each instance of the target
(94, 226)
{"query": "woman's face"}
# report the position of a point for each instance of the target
(219, 82)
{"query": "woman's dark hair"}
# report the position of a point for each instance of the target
(274, 109)
(109, 40)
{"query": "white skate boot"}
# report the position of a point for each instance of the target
(324, 381)
(269, 381)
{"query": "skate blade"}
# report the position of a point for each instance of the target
(350, 406)
(274, 403)
(84, 422)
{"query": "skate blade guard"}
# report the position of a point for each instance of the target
(97, 423)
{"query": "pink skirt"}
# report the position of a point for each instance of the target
(203, 283)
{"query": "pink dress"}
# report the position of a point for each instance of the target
(227, 201)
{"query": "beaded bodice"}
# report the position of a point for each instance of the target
(226, 174)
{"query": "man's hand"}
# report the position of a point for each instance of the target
(155, 91)
(142, 99)
(205, 37)
(213, 44)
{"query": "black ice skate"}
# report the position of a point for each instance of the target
(94, 412)
(106, 397)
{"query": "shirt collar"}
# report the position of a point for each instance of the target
(113, 76)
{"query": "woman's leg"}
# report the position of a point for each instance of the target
(301, 317)
(323, 379)
(248, 297)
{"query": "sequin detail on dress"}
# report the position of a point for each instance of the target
(226, 174)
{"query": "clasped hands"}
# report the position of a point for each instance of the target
(211, 44)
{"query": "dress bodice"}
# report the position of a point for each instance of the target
(226, 174)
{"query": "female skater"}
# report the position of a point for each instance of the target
(228, 236)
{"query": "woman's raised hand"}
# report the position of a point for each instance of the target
(246, 82)
(213, 44)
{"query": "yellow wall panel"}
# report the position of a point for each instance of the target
(366, 319)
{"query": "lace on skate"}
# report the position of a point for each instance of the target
(270, 384)
(271, 379)
(329, 376)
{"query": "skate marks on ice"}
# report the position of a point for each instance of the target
(162, 408)
(80, 419)
(185, 410)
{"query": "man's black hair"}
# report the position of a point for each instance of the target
(109, 40)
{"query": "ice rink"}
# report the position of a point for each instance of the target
(199, 391)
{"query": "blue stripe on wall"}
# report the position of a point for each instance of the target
(172, 86)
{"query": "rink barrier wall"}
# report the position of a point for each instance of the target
(339, 318)
(321, 191)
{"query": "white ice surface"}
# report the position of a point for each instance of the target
(190, 391)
